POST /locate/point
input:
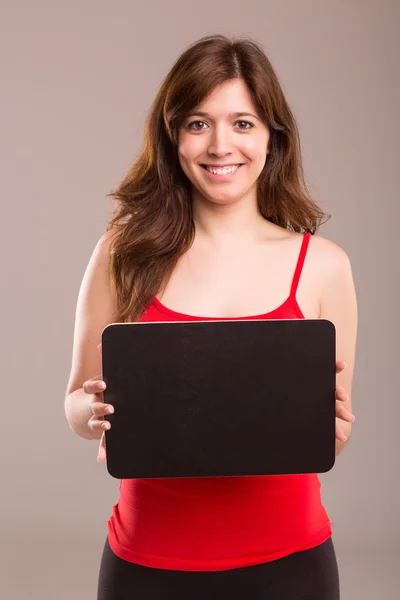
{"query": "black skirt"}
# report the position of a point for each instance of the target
(306, 575)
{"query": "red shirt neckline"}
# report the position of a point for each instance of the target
(178, 315)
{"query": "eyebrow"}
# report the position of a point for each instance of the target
(235, 114)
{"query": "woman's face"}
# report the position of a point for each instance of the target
(214, 136)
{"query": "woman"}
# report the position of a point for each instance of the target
(214, 222)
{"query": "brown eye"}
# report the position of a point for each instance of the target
(191, 126)
(194, 123)
(247, 123)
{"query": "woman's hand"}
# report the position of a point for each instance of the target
(341, 412)
(95, 386)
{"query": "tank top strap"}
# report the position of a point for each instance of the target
(300, 263)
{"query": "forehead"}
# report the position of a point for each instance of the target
(229, 97)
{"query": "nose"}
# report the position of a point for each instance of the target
(220, 142)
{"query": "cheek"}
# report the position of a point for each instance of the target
(255, 148)
(189, 149)
(186, 156)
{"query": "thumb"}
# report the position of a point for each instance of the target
(101, 455)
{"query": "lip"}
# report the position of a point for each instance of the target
(221, 177)
(221, 166)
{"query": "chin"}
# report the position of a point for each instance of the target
(222, 200)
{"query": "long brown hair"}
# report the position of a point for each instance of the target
(152, 222)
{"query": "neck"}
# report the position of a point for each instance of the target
(233, 223)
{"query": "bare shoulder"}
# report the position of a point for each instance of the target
(326, 262)
(320, 249)
(327, 256)
(332, 268)
(333, 271)
(326, 282)
(105, 243)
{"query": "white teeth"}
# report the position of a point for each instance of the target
(223, 171)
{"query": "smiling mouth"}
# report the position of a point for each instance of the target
(226, 170)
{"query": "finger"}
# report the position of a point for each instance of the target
(340, 436)
(101, 455)
(340, 366)
(339, 433)
(94, 386)
(341, 394)
(99, 348)
(345, 415)
(99, 409)
(99, 425)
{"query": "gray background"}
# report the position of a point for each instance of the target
(77, 81)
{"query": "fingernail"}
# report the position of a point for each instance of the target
(345, 365)
(105, 425)
(345, 438)
(353, 419)
(102, 385)
(110, 409)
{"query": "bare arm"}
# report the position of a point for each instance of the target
(338, 303)
(96, 308)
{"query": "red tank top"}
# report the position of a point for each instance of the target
(218, 523)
